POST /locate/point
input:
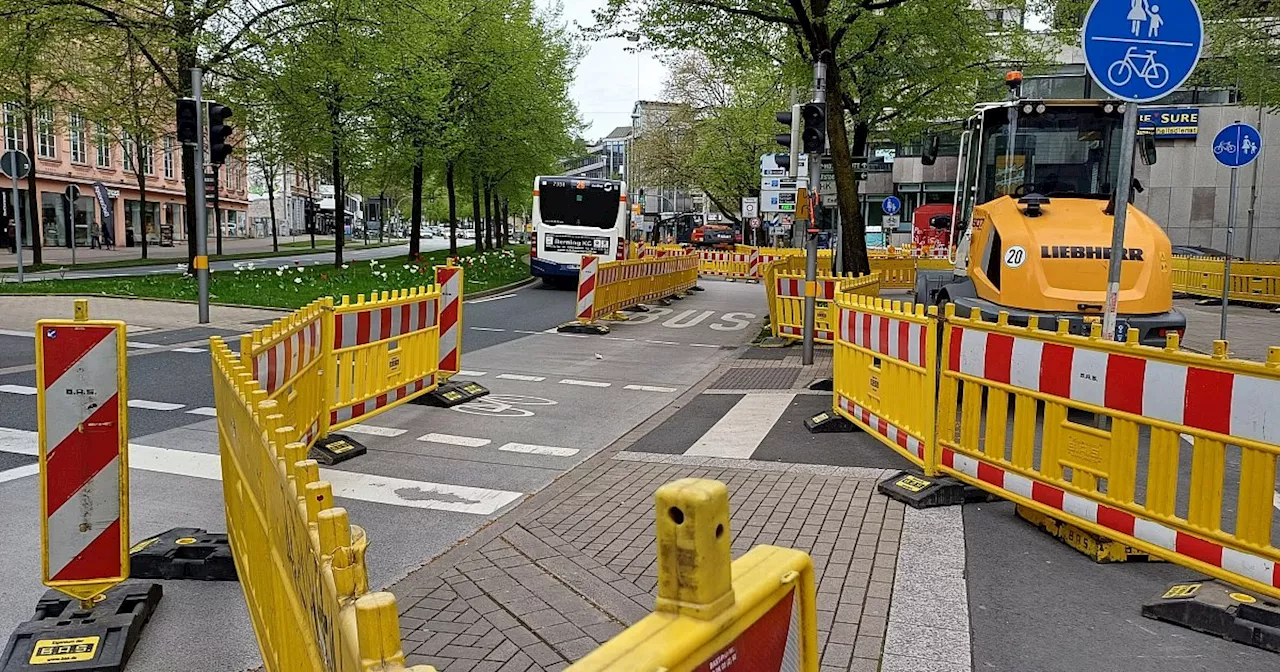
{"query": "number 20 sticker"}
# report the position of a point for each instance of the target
(1015, 256)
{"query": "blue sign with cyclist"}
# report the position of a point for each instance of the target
(1237, 145)
(1141, 50)
(890, 205)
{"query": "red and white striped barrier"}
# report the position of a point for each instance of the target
(83, 455)
(898, 339)
(361, 408)
(753, 264)
(354, 327)
(276, 366)
(587, 289)
(449, 279)
(888, 430)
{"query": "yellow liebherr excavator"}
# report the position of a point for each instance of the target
(1034, 210)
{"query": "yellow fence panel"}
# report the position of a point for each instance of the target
(288, 360)
(786, 312)
(1253, 281)
(885, 368)
(300, 562)
(385, 352)
(624, 284)
(758, 611)
(1172, 453)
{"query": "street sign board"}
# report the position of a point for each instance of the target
(891, 222)
(891, 205)
(1237, 145)
(862, 165)
(1140, 51)
(755, 222)
(15, 164)
(72, 192)
(750, 207)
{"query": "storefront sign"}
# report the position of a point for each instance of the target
(1169, 123)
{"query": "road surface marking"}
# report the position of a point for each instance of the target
(20, 441)
(154, 405)
(526, 331)
(487, 329)
(15, 332)
(454, 440)
(374, 430)
(573, 335)
(934, 577)
(616, 338)
(143, 346)
(516, 376)
(491, 298)
(702, 345)
(190, 350)
(741, 430)
(19, 472)
(473, 373)
(649, 388)
(364, 487)
(204, 410)
(584, 383)
(18, 389)
(533, 449)
(663, 342)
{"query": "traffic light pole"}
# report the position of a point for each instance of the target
(811, 233)
(202, 243)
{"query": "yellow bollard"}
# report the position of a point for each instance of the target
(693, 548)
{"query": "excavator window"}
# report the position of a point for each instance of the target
(1065, 150)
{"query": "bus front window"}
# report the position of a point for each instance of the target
(578, 203)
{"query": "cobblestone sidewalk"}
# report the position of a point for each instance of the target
(575, 565)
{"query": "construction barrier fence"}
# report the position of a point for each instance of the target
(786, 311)
(605, 288)
(300, 562)
(732, 265)
(288, 359)
(1251, 281)
(1171, 453)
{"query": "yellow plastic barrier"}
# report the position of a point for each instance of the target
(288, 359)
(605, 288)
(1252, 281)
(711, 613)
(899, 272)
(385, 352)
(885, 366)
(300, 562)
(786, 312)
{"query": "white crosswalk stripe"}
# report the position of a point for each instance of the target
(204, 410)
(154, 405)
(190, 350)
(584, 383)
(374, 430)
(18, 389)
(533, 449)
(517, 376)
(454, 440)
(741, 430)
(649, 388)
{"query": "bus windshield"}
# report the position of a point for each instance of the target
(1064, 151)
(569, 202)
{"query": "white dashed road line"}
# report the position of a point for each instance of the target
(485, 329)
(15, 332)
(374, 430)
(143, 346)
(18, 389)
(455, 440)
(204, 410)
(584, 383)
(516, 376)
(616, 338)
(154, 405)
(534, 449)
(648, 388)
(190, 350)
(19, 472)
(474, 374)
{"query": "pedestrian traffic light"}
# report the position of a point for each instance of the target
(815, 129)
(219, 133)
(188, 121)
(790, 161)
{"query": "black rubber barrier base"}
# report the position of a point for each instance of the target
(1096, 547)
(63, 636)
(1221, 610)
(596, 328)
(697, 288)
(336, 448)
(923, 492)
(822, 385)
(829, 422)
(638, 308)
(183, 553)
(452, 393)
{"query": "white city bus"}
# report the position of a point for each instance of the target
(573, 216)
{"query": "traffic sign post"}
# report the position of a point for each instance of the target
(1137, 52)
(16, 165)
(1235, 146)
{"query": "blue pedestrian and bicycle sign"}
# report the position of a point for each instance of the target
(1141, 50)
(890, 205)
(1237, 145)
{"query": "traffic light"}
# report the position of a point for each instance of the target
(219, 133)
(815, 129)
(188, 121)
(790, 161)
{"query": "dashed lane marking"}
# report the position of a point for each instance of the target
(204, 410)
(474, 374)
(584, 383)
(18, 389)
(649, 388)
(516, 376)
(154, 405)
(455, 440)
(663, 342)
(534, 449)
(374, 430)
(190, 350)
(143, 346)
(15, 332)
(526, 331)
(485, 329)
(616, 338)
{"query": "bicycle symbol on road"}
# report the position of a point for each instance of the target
(503, 406)
(1143, 65)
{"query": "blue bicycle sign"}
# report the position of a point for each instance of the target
(1140, 50)
(1237, 145)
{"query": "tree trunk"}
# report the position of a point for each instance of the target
(33, 197)
(415, 208)
(475, 213)
(853, 231)
(271, 205)
(453, 208)
(488, 215)
(141, 175)
(339, 193)
(506, 221)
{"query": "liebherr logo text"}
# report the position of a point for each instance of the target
(1086, 252)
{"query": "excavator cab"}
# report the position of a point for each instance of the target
(1034, 213)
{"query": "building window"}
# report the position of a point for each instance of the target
(12, 127)
(102, 141)
(168, 157)
(126, 148)
(148, 159)
(75, 134)
(46, 141)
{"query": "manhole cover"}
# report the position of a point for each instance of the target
(764, 378)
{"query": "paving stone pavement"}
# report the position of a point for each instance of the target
(575, 565)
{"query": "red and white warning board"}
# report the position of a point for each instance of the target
(82, 379)
(771, 644)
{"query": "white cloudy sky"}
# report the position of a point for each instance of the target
(606, 83)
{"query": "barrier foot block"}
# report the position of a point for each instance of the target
(335, 448)
(583, 328)
(1221, 610)
(638, 308)
(183, 553)
(697, 288)
(676, 297)
(1098, 548)
(924, 492)
(823, 385)
(663, 302)
(1209, 302)
(774, 342)
(828, 422)
(63, 636)
(452, 393)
